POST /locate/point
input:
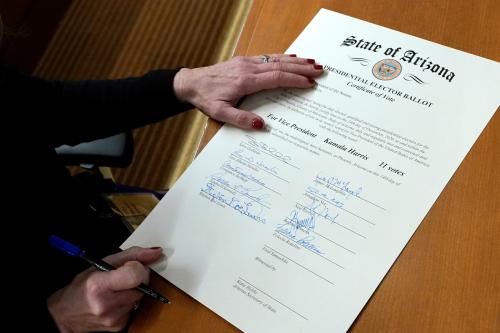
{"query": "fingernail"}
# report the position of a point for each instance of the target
(292, 55)
(155, 248)
(310, 61)
(311, 80)
(257, 123)
(318, 66)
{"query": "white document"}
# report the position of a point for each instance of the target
(292, 229)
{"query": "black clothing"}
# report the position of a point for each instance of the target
(40, 116)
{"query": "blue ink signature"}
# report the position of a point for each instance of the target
(295, 222)
(323, 195)
(340, 183)
(271, 150)
(248, 192)
(320, 209)
(267, 168)
(307, 223)
(238, 171)
(305, 242)
(241, 206)
(239, 154)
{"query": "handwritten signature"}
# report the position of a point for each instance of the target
(269, 149)
(340, 183)
(306, 242)
(244, 190)
(308, 223)
(295, 222)
(240, 154)
(243, 207)
(322, 210)
(323, 195)
(239, 172)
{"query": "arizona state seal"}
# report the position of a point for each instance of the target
(386, 69)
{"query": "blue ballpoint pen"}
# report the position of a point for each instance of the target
(101, 265)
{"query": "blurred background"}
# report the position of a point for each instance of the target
(97, 39)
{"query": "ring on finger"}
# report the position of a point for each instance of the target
(265, 58)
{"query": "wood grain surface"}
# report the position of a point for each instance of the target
(120, 38)
(447, 279)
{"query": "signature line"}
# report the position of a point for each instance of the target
(340, 188)
(290, 222)
(293, 240)
(244, 144)
(298, 314)
(307, 269)
(226, 187)
(258, 167)
(345, 210)
(248, 178)
(339, 224)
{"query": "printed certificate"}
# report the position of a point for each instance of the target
(292, 229)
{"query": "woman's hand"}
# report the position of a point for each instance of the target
(216, 89)
(102, 301)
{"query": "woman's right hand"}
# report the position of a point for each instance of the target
(102, 301)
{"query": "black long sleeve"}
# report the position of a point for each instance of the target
(38, 115)
(76, 111)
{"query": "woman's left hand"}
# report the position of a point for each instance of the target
(216, 89)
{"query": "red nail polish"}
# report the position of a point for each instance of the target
(310, 61)
(155, 248)
(292, 55)
(318, 66)
(311, 80)
(257, 123)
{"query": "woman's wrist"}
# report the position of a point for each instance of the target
(181, 85)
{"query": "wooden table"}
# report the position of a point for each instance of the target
(447, 279)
